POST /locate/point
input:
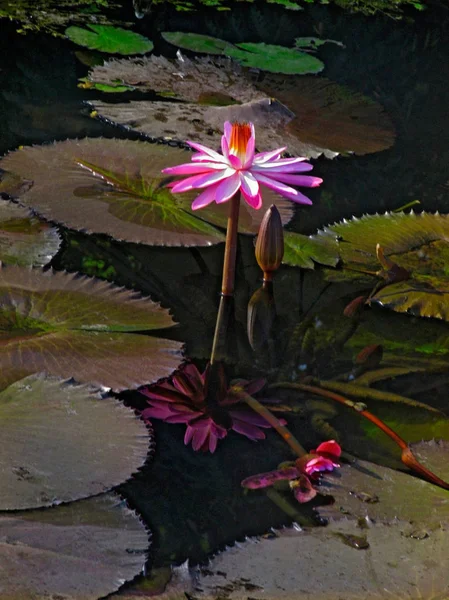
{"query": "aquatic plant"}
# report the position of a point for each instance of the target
(302, 473)
(240, 169)
(184, 399)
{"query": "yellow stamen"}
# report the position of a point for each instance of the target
(240, 134)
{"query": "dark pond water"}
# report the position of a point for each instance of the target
(193, 502)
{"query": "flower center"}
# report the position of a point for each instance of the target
(240, 134)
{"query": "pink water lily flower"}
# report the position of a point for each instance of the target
(300, 474)
(239, 168)
(182, 399)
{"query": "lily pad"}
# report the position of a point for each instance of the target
(80, 327)
(276, 59)
(418, 243)
(304, 251)
(24, 239)
(203, 80)
(197, 42)
(332, 115)
(364, 489)
(310, 116)
(106, 38)
(267, 57)
(52, 466)
(116, 187)
(339, 561)
(79, 551)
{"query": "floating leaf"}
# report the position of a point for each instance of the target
(310, 116)
(304, 251)
(106, 38)
(434, 455)
(267, 57)
(79, 551)
(364, 489)
(116, 187)
(113, 187)
(24, 239)
(176, 121)
(341, 560)
(197, 42)
(331, 115)
(201, 80)
(276, 59)
(418, 243)
(80, 327)
(62, 442)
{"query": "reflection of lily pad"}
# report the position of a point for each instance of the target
(364, 489)
(267, 57)
(24, 239)
(116, 187)
(62, 442)
(106, 38)
(78, 551)
(417, 243)
(80, 327)
(338, 561)
(311, 115)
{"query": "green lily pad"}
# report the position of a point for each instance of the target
(53, 466)
(197, 42)
(78, 551)
(80, 327)
(267, 57)
(116, 187)
(364, 489)
(276, 59)
(106, 38)
(311, 116)
(304, 251)
(342, 560)
(418, 243)
(24, 239)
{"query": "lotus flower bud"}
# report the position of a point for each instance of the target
(270, 243)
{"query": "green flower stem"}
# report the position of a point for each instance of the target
(227, 285)
(289, 510)
(285, 433)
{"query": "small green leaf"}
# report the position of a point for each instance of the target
(304, 251)
(276, 59)
(197, 42)
(106, 38)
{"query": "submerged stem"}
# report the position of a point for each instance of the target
(285, 433)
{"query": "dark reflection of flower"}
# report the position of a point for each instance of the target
(302, 473)
(183, 399)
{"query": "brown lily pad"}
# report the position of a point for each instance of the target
(80, 327)
(42, 460)
(342, 560)
(24, 239)
(309, 115)
(78, 551)
(364, 489)
(116, 187)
